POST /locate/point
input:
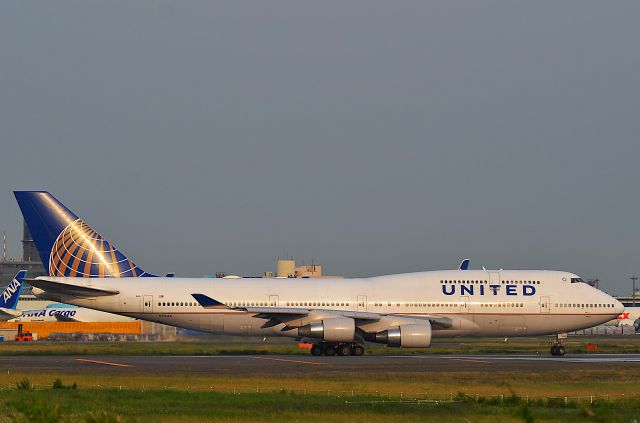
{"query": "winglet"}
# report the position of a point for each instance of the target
(464, 264)
(208, 302)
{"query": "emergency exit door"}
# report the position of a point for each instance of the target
(147, 304)
(464, 305)
(545, 305)
(362, 303)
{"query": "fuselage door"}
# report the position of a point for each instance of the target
(464, 304)
(545, 305)
(273, 301)
(362, 303)
(147, 304)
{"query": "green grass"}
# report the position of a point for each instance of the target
(111, 405)
(566, 395)
(612, 383)
(610, 394)
(213, 346)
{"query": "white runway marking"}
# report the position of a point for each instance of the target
(595, 358)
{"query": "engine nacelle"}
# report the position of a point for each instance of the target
(409, 335)
(334, 329)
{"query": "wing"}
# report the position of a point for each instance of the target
(284, 315)
(64, 288)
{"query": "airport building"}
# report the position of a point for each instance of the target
(30, 260)
(286, 268)
(630, 300)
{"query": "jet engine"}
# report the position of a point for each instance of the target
(334, 329)
(409, 335)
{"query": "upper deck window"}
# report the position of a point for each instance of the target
(576, 280)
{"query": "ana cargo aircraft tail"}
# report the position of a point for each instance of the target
(337, 315)
(10, 297)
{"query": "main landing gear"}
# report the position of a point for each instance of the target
(557, 349)
(339, 348)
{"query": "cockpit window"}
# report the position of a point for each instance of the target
(576, 280)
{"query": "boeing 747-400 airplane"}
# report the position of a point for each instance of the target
(337, 315)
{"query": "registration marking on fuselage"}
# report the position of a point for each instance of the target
(108, 363)
(313, 363)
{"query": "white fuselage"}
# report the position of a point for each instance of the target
(479, 303)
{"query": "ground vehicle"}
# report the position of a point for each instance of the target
(23, 336)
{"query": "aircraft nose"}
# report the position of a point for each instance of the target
(619, 307)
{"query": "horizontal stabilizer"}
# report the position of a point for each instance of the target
(208, 302)
(64, 288)
(7, 314)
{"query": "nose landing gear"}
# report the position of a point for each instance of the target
(341, 348)
(557, 349)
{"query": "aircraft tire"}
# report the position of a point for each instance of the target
(561, 350)
(357, 350)
(343, 349)
(316, 350)
(329, 350)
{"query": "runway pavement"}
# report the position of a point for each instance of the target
(274, 365)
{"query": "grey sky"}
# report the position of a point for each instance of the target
(376, 137)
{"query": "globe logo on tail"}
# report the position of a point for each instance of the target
(79, 251)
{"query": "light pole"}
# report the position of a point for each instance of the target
(633, 294)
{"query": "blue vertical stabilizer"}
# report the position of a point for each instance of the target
(11, 293)
(67, 245)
